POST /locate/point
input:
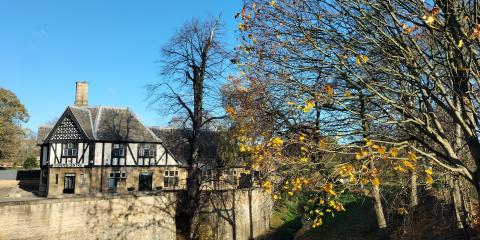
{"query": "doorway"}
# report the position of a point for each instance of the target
(69, 183)
(145, 182)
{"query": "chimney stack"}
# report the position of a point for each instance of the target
(81, 94)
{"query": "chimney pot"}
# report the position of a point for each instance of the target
(81, 94)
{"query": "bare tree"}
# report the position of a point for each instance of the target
(193, 61)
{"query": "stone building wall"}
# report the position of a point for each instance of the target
(120, 217)
(95, 179)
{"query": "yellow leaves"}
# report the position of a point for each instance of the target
(309, 104)
(402, 211)
(376, 182)
(272, 3)
(429, 19)
(322, 144)
(408, 164)
(429, 178)
(276, 197)
(267, 186)
(328, 188)
(304, 160)
(368, 143)
(242, 148)
(290, 103)
(329, 90)
(358, 155)
(460, 44)
(394, 152)
(277, 142)
(347, 93)
(290, 194)
(361, 59)
(412, 156)
(317, 222)
(301, 137)
(303, 149)
(400, 169)
(242, 26)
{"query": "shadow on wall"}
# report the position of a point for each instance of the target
(136, 217)
(240, 214)
(28, 180)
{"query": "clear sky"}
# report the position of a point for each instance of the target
(46, 46)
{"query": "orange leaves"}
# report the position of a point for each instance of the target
(231, 111)
(408, 164)
(329, 90)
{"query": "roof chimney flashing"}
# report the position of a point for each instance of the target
(81, 94)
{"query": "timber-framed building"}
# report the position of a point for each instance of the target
(98, 149)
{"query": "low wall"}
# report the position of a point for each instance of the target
(236, 215)
(118, 217)
(19, 174)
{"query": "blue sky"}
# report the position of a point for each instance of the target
(46, 46)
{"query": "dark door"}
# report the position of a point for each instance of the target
(69, 183)
(145, 182)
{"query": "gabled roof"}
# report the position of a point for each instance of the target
(102, 123)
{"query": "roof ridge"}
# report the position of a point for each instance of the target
(97, 121)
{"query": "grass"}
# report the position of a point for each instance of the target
(358, 222)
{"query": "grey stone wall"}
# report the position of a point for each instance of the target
(125, 217)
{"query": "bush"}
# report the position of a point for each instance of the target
(30, 163)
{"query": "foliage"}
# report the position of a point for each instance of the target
(12, 113)
(30, 163)
(339, 95)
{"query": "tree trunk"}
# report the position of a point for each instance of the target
(193, 182)
(382, 223)
(456, 201)
(413, 189)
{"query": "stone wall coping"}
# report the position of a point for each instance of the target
(78, 198)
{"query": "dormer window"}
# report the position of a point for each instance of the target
(69, 150)
(118, 150)
(146, 150)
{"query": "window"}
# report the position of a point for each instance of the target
(69, 150)
(145, 181)
(81, 178)
(170, 178)
(118, 150)
(114, 178)
(231, 176)
(146, 150)
(56, 178)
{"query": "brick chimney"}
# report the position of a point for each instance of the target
(81, 94)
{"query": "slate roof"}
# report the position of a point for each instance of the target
(106, 124)
(176, 141)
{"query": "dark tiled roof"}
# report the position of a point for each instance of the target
(107, 124)
(176, 140)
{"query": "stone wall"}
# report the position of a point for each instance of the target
(236, 215)
(119, 217)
